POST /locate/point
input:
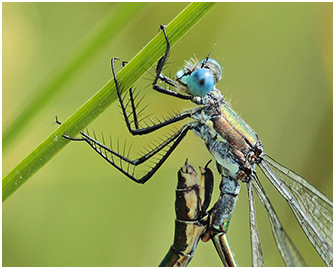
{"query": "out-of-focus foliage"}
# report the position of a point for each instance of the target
(79, 211)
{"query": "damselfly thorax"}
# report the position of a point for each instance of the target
(230, 140)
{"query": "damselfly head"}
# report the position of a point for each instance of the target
(199, 78)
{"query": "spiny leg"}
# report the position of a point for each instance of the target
(174, 140)
(165, 79)
(103, 151)
(145, 130)
(163, 59)
(160, 65)
(149, 129)
(171, 82)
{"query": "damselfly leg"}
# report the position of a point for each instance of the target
(114, 157)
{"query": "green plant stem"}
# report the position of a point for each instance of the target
(103, 98)
(109, 28)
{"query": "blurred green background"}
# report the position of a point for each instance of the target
(79, 211)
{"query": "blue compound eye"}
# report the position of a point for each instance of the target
(181, 77)
(179, 74)
(214, 67)
(213, 62)
(200, 82)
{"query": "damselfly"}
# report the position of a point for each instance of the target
(237, 150)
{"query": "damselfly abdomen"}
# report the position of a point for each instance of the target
(192, 200)
(237, 150)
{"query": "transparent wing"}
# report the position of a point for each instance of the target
(313, 210)
(256, 249)
(287, 249)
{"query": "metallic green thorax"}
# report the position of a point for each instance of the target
(231, 141)
(239, 124)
